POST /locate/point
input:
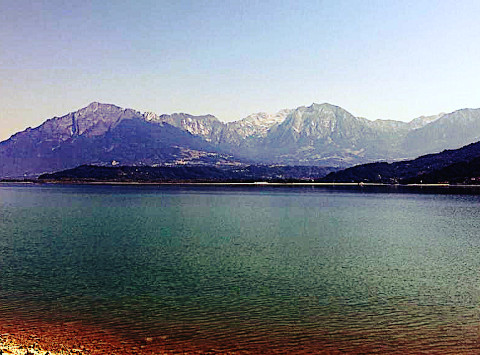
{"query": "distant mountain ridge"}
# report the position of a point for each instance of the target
(320, 134)
(224, 134)
(457, 166)
(316, 135)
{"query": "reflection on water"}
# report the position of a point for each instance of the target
(259, 269)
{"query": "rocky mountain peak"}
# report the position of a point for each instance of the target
(324, 106)
(98, 106)
(421, 121)
(460, 116)
(97, 118)
(151, 116)
(316, 120)
(324, 112)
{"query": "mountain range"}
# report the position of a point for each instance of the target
(317, 135)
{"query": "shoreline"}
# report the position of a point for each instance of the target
(26, 337)
(256, 183)
(73, 338)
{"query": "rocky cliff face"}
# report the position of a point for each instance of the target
(319, 134)
(208, 126)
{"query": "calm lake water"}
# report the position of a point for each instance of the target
(260, 269)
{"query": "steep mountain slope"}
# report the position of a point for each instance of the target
(93, 120)
(451, 130)
(30, 150)
(101, 134)
(463, 172)
(459, 165)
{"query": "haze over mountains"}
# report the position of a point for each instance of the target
(319, 135)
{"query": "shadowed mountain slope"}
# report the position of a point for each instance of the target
(101, 134)
(452, 166)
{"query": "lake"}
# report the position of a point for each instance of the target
(245, 269)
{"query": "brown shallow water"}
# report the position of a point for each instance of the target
(132, 270)
(76, 337)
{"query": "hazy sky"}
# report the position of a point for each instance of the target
(377, 59)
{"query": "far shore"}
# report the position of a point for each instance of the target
(220, 183)
(226, 183)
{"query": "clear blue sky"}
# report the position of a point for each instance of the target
(377, 59)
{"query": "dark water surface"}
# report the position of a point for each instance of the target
(248, 268)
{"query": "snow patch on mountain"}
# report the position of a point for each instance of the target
(258, 124)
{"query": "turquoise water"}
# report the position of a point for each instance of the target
(261, 269)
